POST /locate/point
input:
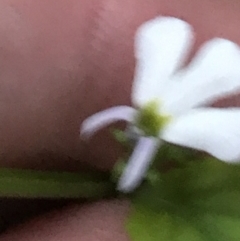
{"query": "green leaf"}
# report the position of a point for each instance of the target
(149, 226)
(198, 202)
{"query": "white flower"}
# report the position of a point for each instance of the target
(169, 98)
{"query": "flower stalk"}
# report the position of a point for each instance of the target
(54, 185)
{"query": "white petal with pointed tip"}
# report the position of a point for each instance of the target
(161, 46)
(138, 164)
(213, 73)
(213, 130)
(106, 117)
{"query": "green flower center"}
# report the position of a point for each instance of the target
(150, 121)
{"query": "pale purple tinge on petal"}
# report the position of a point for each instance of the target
(215, 131)
(214, 73)
(161, 47)
(133, 133)
(104, 118)
(138, 164)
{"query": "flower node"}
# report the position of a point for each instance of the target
(149, 121)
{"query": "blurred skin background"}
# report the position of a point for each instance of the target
(61, 61)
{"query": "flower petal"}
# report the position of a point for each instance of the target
(138, 164)
(106, 117)
(161, 46)
(213, 130)
(213, 73)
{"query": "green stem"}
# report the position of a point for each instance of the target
(47, 184)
